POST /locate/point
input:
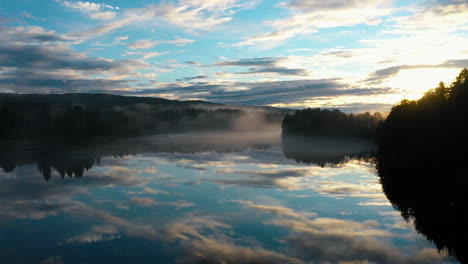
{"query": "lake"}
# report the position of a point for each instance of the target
(201, 198)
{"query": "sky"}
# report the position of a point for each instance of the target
(354, 55)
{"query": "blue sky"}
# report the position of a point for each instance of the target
(358, 55)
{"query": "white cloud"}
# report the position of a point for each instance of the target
(146, 43)
(318, 5)
(306, 17)
(122, 37)
(193, 16)
(108, 15)
(146, 55)
(93, 10)
(279, 210)
(149, 202)
(204, 14)
(302, 49)
(448, 17)
(87, 6)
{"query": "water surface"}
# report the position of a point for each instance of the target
(201, 198)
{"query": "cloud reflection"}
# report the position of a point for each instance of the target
(330, 240)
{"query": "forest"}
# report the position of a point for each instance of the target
(436, 124)
(75, 117)
(331, 123)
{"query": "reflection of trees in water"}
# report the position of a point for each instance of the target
(323, 151)
(67, 162)
(74, 161)
(434, 196)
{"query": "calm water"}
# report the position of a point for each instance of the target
(212, 198)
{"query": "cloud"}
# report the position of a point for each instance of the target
(263, 93)
(263, 61)
(35, 60)
(93, 10)
(389, 72)
(193, 16)
(86, 6)
(56, 84)
(30, 35)
(121, 38)
(202, 14)
(337, 189)
(302, 49)
(56, 57)
(108, 15)
(448, 16)
(195, 243)
(329, 240)
(260, 66)
(25, 194)
(216, 246)
(146, 44)
(278, 210)
(337, 241)
(261, 179)
(276, 37)
(307, 17)
(200, 76)
(192, 63)
(319, 239)
(28, 15)
(147, 190)
(209, 250)
(149, 202)
(315, 5)
(113, 223)
(147, 55)
(275, 70)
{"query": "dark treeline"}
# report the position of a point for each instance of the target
(437, 124)
(66, 162)
(421, 154)
(331, 124)
(84, 116)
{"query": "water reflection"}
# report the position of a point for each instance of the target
(199, 199)
(74, 160)
(325, 151)
(431, 195)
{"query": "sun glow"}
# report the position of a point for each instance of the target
(416, 82)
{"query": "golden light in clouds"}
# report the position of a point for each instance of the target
(416, 82)
(411, 84)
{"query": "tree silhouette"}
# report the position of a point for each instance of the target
(331, 123)
(421, 155)
(83, 117)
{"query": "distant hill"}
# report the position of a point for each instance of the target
(81, 116)
(92, 100)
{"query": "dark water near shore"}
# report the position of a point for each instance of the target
(201, 198)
